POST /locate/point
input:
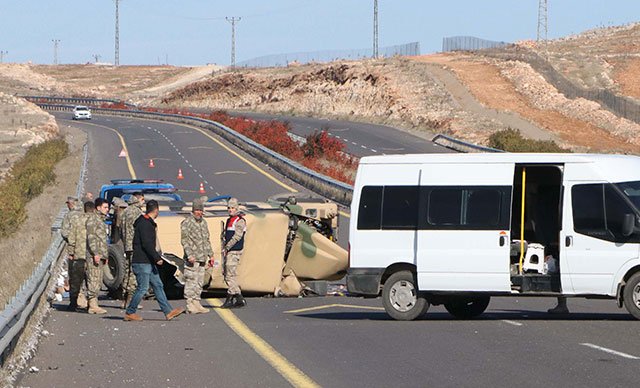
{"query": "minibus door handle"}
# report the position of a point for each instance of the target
(503, 240)
(568, 241)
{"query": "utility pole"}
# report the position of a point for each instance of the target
(542, 25)
(2, 54)
(233, 21)
(96, 57)
(117, 53)
(375, 29)
(55, 50)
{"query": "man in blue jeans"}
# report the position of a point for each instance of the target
(144, 264)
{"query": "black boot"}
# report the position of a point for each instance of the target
(73, 305)
(238, 301)
(228, 302)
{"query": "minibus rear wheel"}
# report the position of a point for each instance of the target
(401, 299)
(632, 295)
(467, 308)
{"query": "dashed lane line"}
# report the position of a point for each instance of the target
(333, 305)
(610, 351)
(245, 160)
(290, 372)
(514, 323)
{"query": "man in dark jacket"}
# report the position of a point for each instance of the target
(144, 264)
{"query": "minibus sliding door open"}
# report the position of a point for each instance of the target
(535, 229)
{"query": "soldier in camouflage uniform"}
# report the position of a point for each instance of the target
(234, 232)
(194, 236)
(75, 209)
(97, 253)
(130, 215)
(77, 251)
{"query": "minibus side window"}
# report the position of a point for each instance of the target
(483, 207)
(467, 207)
(400, 207)
(369, 210)
(598, 211)
(445, 206)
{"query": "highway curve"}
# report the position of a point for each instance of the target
(361, 139)
(332, 341)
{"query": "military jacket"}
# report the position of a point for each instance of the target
(97, 235)
(129, 216)
(77, 245)
(67, 221)
(194, 236)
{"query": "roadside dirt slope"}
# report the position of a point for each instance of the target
(22, 124)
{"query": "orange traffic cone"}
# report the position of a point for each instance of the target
(201, 191)
(180, 176)
(151, 165)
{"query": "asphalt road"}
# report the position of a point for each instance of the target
(361, 139)
(329, 341)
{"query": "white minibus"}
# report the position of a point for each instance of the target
(456, 229)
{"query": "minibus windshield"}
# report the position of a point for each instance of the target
(632, 191)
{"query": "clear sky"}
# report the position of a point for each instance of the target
(192, 32)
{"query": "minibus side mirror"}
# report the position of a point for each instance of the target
(628, 225)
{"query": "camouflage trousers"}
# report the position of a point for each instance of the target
(193, 279)
(129, 283)
(231, 262)
(94, 278)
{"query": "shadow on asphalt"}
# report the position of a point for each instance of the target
(520, 315)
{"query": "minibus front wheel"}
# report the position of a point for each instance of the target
(401, 298)
(632, 295)
(467, 308)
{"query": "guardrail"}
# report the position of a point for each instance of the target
(461, 146)
(335, 190)
(93, 102)
(15, 314)
(328, 187)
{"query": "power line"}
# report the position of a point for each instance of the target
(117, 48)
(55, 50)
(233, 21)
(96, 57)
(375, 28)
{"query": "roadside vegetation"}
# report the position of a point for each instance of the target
(26, 180)
(511, 140)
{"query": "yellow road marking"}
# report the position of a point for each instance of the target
(328, 306)
(289, 371)
(124, 146)
(253, 165)
(247, 161)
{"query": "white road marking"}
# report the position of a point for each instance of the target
(337, 137)
(363, 147)
(610, 351)
(373, 150)
(200, 175)
(514, 323)
(354, 143)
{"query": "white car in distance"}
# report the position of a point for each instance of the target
(81, 112)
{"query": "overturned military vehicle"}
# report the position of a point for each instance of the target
(290, 232)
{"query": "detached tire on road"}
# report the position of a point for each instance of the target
(632, 295)
(114, 273)
(467, 308)
(401, 299)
